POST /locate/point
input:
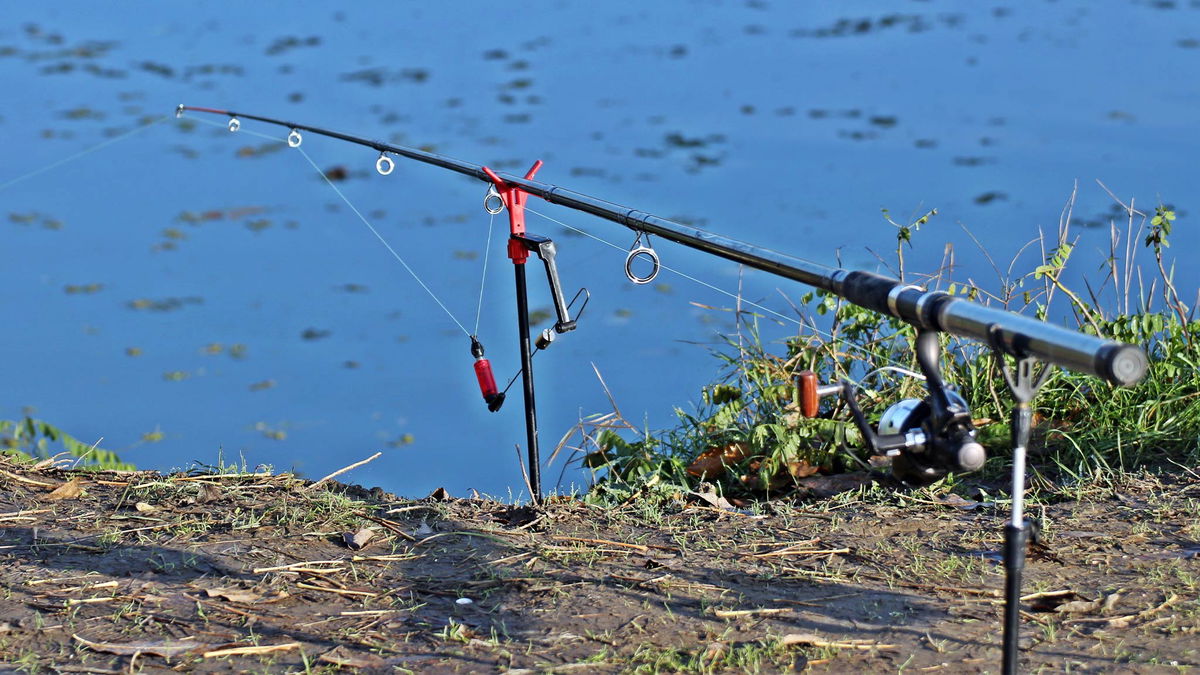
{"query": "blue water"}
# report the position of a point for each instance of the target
(274, 329)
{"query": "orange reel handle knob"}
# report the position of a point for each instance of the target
(810, 400)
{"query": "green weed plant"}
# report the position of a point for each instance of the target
(1083, 428)
(32, 439)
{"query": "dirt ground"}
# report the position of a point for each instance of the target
(128, 572)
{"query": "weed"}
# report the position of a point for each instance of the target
(30, 438)
(748, 423)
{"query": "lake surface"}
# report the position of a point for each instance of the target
(187, 294)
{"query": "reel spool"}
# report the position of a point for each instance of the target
(929, 462)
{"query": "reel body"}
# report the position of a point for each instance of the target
(926, 438)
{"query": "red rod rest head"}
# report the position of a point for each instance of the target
(514, 200)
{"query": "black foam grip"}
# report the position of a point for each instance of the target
(870, 290)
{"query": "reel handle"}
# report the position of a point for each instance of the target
(811, 392)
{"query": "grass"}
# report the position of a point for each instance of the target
(694, 589)
(1085, 431)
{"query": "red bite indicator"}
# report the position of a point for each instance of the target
(487, 381)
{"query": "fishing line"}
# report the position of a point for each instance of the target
(669, 269)
(768, 310)
(384, 242)
(361, 217)
(719, 290)
(81, 153)
(487, 250)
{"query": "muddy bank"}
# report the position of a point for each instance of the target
(108, 572)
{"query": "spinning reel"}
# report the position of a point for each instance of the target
(926, 438)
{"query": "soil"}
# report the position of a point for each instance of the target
(128, 572)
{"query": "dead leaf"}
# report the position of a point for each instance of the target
(1050, 601)
(357, 540)
(252, 651)
(659, 561)
(143, 507)
(714, 651)
(439, 495)
(343, 657)
(163, 648)
(234, 594)
(800, 639)
(1078, 607)
(208, 493)
(713, 462)
(792, 416)
(828, 486)
(69, 490)
(959, 502)
(708, 494)
(818, 641)
(1110, 601)
(802, 469)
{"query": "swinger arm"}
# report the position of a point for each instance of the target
(544, 248)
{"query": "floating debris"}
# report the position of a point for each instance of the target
(164, 304)
(157, 69)
(290, 42)
(403, 440)
(377, 77)
(267, 432)
(82, 113)
(83, 289)
(258, 150)
(989, 197)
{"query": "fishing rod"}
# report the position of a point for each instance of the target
(926, 438)
(1005, 331)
